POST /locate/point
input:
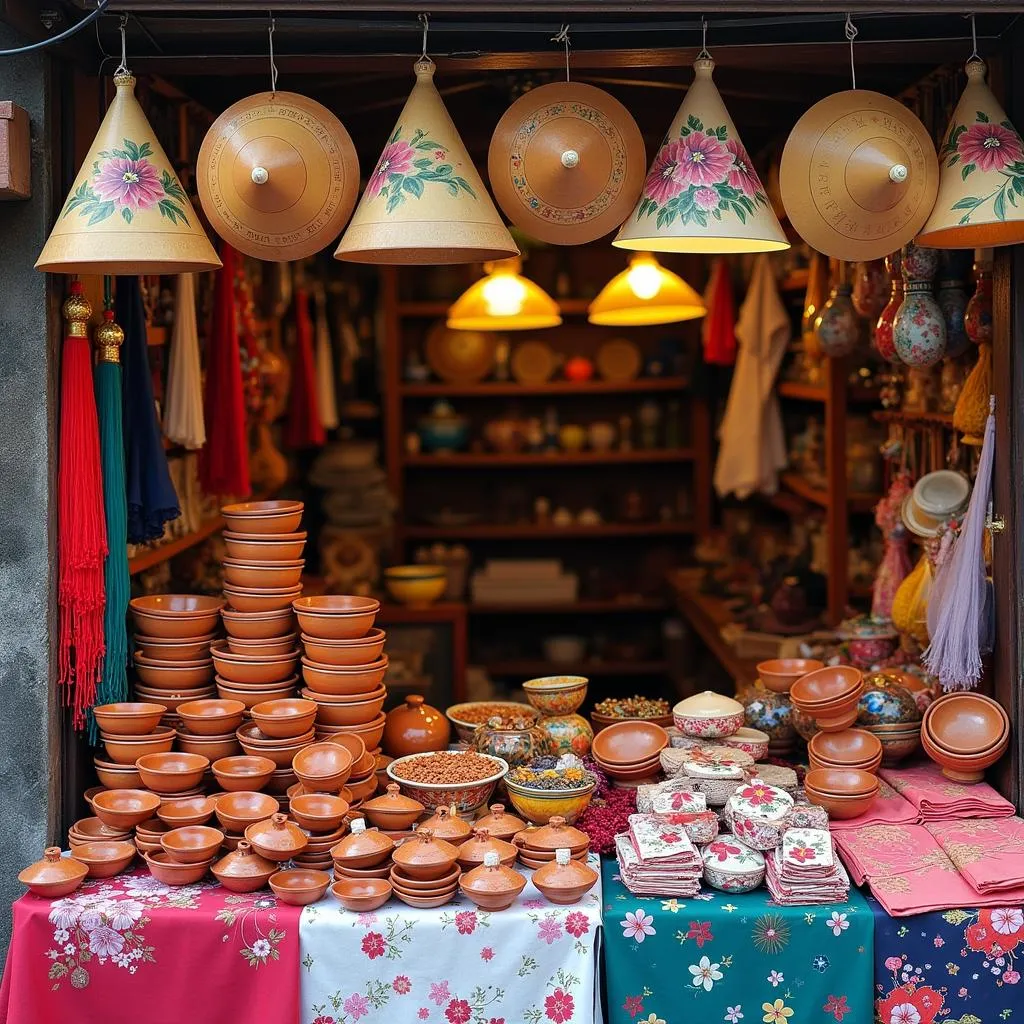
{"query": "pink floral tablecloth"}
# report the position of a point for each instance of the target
(131, 949)
(535, 963)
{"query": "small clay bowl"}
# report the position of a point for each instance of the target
(851, 748)
(322, 767)
(824, 686)
(244, 774)
(193, 844)
(252, 669)
(128, 718)
(370, 733)
(175, 698)
(175, 616)
(124, 808)
(630, 743)
(117, 776)
(362, 650)
(128, 749)
(172, 772)
(173, 675)
(841, 782)
(174, 650)
(263, 517)
(779, 674)
(258, 694)
(427, 902)
(280, 781)
(842, 808)
(105, 859)
(164, 869)
(262, 574)
(353, 744)
(362, 896)
(364, 788)
(89, 830)
(341, 680)
(211, 717)
(190, 810)
(237, 811)
(299, 887)
(336, 616)
(358, 712)
(276, 645)
(965, 723)
(284, 719)
(401, 880)
(211, 747)
(264, 547)
(266, 599)
(318, 812)
(361, 874)
(258, 625)
(281, 752)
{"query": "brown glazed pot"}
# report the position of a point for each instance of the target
(415, 728)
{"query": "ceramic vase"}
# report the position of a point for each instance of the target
(837, 327)
(978, 315)
(567, 734)
(870, 289)
(951, 296)
(883, 328)
(919, 330)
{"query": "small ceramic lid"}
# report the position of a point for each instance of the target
(243, 862)
(707, 705)
(424, 850)
(493, 878)
(476, 848)
(393, 800)
(712, 770)
(500, 824)
(564, 873)
(555, 835)
(362, 841)
(759, 800)
(445, 825)
(732, 856)
(52, 869)
(277, 833)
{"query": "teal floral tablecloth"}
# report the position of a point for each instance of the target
(736, 958)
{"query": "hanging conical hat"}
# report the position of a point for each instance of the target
(858, 175)
(425, 202)
(981, 183)
(566, 163)
(278, 176)
(127, 212)
(702, 193)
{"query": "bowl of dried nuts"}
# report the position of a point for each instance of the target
(619, 709)
(464, 779)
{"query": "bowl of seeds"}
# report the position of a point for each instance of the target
(549, 787)
(463, 779)
(468, 717)
(636, 708)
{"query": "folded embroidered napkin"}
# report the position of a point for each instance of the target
(988, 852)
(938, 798)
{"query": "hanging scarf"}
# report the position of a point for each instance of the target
(224, 461)
(326, 395)
(719, 329)
(183, 408)
(303, 429)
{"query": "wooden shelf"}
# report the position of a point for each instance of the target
(431, 309)
(855, 502)
(818, 393)
(931, 419)
(161, 553)
(489, 389)
(554, 460)
(531, 531)
(609, 606)
(707, 616)
(528, 669)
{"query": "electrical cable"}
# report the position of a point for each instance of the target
(101, 6)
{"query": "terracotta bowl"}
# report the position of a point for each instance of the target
(277, 645)
(258, 625)
(88, 830)
(362, 789)
(871, 766)
(173, 699)
(117, 776)
(362, 896)
(351, 713)
(336, 616)
(244, 774)
(127, 749)
(361, 874)
(173, 650)
(354, 745)
(842, 808)
(284, 719)
(253, 669)
(280, 781)
(211, 747)
(965, 723)
(262, 575)
(172, 772)
(322, 767)
(401, 879)
(125, 808)
(344, 680)
(237, 811)
(852, 748)
(173, 675)
(264, 599)
(104, 859)
(318, 812)
(779, 674)
(824, 686)
(960, 767)
(211, 717)
(263, 517)
(192, 810)
(164, 869)
(263, 547)
(299, 887)
(320, 699)
(630, 743)
(254, 741)
(193, 844)
(427, 902)
(841, 781)
(370, 733)
(128, 719)
(361, 651)
(175, 616)
(258, 694)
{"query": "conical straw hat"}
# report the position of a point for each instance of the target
(278, 176)
(702, 193)
(127, 212)
(981, 184)
(425, 202)
(858, 175)
(566, 163)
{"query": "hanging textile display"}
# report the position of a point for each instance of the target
(152, 500)
(326, 388)
(303, 428)
(183, 406)
(719, 327)
(113, 685)
(81, 526)
(224, 460)
(895, 566)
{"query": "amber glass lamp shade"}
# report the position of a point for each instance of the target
(645, 293)
(503, 300)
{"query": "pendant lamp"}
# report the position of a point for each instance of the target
(504, 300)
(127, 212)
(981, 181)
(425, 203)
(702, 193)
(645, 293)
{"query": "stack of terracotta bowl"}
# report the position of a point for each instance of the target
(629, 752)
(965, 733)
(364, 853)
(851, 748)
(843, 792)
(237, 811)
(185, 854)
(424, 872)
(119, 814)
(538, 846)
(829, 695)
(322, 816)
(264, 563)
(128, 730)
(172, 647)
(779, 674)
(92, 830)
(208, 727)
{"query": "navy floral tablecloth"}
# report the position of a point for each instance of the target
(949, 967)
(736, 958)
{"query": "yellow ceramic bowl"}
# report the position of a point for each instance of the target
(538, 805)
(416, 585)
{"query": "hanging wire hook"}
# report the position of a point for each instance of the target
(563, 37)
(424, 19)
(704, 53)
(273, 65)
(851, 34)
(122, 68)
(974, 41)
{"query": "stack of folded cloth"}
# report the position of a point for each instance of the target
(937, 798)
(805, 870)
(657, 858)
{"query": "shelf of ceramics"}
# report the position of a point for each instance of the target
(555, 459)
(532, 531)
(497, 389)
(593, 607)
(817, 393)
(527, 669)
(818, 496)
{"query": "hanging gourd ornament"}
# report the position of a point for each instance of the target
(919, 330)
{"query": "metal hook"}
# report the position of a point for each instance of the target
(851, 34)
(122, 68)
(704, 54)
(563, 37)
(424, 20)
(974, 41)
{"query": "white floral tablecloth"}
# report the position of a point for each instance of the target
(535, 963)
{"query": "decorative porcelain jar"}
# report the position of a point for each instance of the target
(885, 702)
(978, 315)
(837, 327)
(919, 330)
(708, 715)
(951, 296)
(567, 734)
(757, 813)
(518, 744)
(732, 866)
(883, 328)
(771, 713)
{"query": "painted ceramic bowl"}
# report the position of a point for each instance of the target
(556, 695)
(540, 806)
(708, 715)
(732, 866)
(753, 741)
(467, 797)
(468, 717)
(779, 674)
(567, 734)
(886, 702)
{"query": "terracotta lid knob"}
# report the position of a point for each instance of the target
(414, 700)
(260, 175)
(497, 809)
(557, 821)
(482, 833)
(425, 834)
(491, 859)
(52, 854)
(244, 848)
(279, 820)
(392, 788)
(442, 813)
(562, 856)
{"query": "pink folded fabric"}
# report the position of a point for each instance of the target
(831, 887)
(657, 878)
(988, 852)
(657, 840)
(889, 808)
(938, 798)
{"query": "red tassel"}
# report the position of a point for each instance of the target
(304, 428)
(81, 530)
(224, 461)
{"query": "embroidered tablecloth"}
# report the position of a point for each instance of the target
(535, 963)
(949, 967)
(735, 958)
(130, 947)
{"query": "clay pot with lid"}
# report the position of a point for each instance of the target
(392, 811)
(363, 847)
(555, 835)
(473, 851)
(564, 880)
(443, 824)
(425, 857)
(243, 870)
(54, 875)
(500, 824)
(277, 838)
(415, 728)
(492, 886)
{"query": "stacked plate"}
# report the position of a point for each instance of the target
(965, 733)
(829, 695)
(539, 846)
(629, 752)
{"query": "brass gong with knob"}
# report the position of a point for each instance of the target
(278, 176)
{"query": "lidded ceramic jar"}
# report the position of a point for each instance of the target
(54, 875)
(474, 849)
(886, 702)
(519, 744)
(837, 326)
(708, 715)
(424, 857)
(978, 314)
(919, 330)
(553, 836)
(772, 713)
(882, 333)
(392, 810)
(492, 886)
(244, 870)
(564, 880)
(443, 824)
(276, 838)
(757, 813)
(363, 847)
(500, 824)
(415, 728)
(732, 866)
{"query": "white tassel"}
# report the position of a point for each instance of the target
(183, 407)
